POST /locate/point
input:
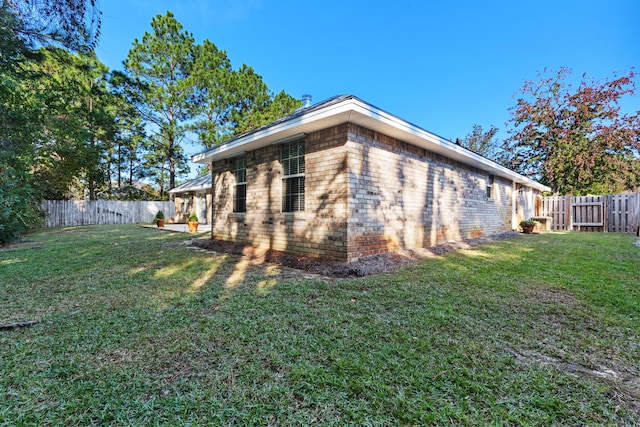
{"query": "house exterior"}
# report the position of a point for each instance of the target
(193, 196)
(343, 179)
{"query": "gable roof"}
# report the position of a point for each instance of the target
(199, 184)
(350, 109)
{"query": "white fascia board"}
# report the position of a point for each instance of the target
(312, 121)
(200, 187)
(358, 112)
(429, 141)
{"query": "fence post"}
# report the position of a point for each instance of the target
(570, 207)
(637, 213)
(606, 213)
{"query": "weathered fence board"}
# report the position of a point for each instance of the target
(587, 213)
(62, 213)
(556, 207)
(624, 210)
(616, 213)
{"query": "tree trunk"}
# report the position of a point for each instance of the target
(172, 166)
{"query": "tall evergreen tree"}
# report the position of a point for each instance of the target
(162, 63)
(213, 80)
(189, 92)
(229, 102)
(73, 24)
(254, 105)
(25, 25)
(20, 123)
(130, 141)
(79, 124)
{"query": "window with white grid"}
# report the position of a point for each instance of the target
(240, 188)
(293, 176)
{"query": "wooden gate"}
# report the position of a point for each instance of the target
(617, 213)
(587, 213)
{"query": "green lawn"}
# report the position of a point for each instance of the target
(140, 329)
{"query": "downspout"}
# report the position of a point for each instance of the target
(514, 206)
(638, 213)
(213, 201)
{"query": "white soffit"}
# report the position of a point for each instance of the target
(355, 111)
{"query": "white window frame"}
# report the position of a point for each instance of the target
(239, 182)
(293, 173)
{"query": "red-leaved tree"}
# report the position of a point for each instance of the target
(576, 141)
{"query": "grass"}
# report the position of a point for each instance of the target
(140, 329)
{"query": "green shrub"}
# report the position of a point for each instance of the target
(19, 206)
(528, 223)
(159, 215)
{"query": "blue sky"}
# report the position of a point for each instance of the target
(442, 65)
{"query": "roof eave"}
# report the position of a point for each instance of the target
(354, 110)
(188, 189)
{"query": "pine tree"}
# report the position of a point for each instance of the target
(161, 63)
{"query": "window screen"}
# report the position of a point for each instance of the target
(293, 176)
(240, 188)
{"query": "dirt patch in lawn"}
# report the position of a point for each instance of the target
(366, 266)
(626, 389)
(20, 244)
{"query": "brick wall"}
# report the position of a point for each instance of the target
(319, 231)
(401, 196)
(366, 193)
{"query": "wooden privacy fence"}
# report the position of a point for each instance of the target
(61, 213)
(617, 213)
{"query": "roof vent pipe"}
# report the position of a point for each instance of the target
(306, 101)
